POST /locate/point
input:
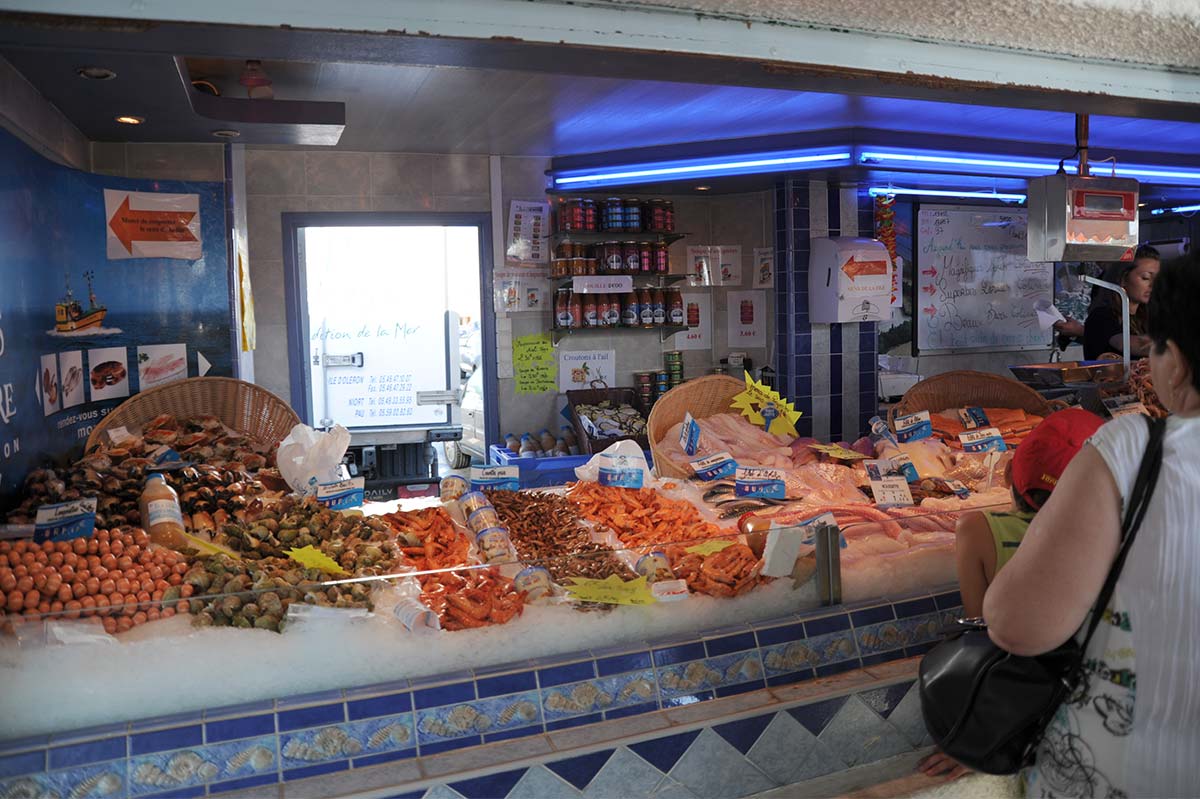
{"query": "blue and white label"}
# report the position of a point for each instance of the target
(889, 486)
(757, 482)
(342, 495)
(65, 520)
(904, 465)
(973, 418)
(166, 458)
(987, 440)
(881, 432)
(689, 435)
(620, 471)
(914, 427)
(503, 478)
(715, 467)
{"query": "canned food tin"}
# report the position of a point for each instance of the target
(643, 378)
(473, 501)
(631, 253)
(589, 216)
(613, 215)
(673, 356)
(660, 376)
(646, 256)
(452, 487)
(483, 518)
(633, 215)
(654, 216)
(611, 258)
(571, 215)
(662, 257)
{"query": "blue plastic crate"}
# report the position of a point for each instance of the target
(542, 472)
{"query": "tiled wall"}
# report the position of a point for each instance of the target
(830, 369)
(293, 738)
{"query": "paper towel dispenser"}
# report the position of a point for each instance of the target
(1073, 218)
(849, 280)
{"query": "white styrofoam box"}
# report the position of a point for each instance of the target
(849, 280)
(894, 384)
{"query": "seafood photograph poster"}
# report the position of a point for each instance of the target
(83, 326)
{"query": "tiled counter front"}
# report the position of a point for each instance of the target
(665, 693)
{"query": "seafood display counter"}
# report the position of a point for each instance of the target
(471, 638)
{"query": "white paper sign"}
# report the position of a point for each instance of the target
(527, 230)
(697, 309)
(576, 370)
(728, 265)
(700, 265)
(602, 284)
(764, 268)
(519, 290)
(146, 224)
(747, 318)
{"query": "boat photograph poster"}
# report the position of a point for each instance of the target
(81, 331)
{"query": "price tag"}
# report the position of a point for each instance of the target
(63, 521)
(781, 550)
(311, 558)
(689, 435)
(714, 467)
(503, 478)
(914, 427)
(116, 436)
(342, 495)
(670, 590)
(840, 453)
(711, 546)
(889, 486)
(757, 482)
(1124, 405)
(620, 471)
(602, 284)
(612, 590)
(973, 418)
(166, 457)
(984, 440)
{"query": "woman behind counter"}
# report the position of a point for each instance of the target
(1102, 330)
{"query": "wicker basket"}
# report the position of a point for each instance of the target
(242, 406)
(702, 397)
(966, 388)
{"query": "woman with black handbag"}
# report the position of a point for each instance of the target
(1120, 532)
(1133, 723)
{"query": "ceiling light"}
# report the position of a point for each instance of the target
(1179, 209)
(226, 133)
(206, 87)
(739, 164)
(968, 163)
(980, 195)
(703, 188)
(130, 120)
(96, 73)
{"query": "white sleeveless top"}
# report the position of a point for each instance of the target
(1134, 729)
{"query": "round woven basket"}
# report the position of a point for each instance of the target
(704, 396)
(966, 388)
(242, 406)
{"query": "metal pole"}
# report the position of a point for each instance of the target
(1081, 141)
(1104, 284)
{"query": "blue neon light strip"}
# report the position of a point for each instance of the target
(744, 164)
(1179, 209)
(984, 195)
(1098, 168)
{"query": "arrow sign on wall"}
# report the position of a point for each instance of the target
(152, 225)
(855, 268)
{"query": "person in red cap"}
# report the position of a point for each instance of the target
(986, 540)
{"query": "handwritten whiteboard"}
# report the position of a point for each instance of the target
(975, 288)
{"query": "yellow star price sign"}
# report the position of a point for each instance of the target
(765, 408)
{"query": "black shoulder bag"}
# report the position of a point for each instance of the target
(988, 709)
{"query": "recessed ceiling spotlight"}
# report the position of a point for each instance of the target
(206, 87)
(130, 120)
(703, 188)
(96, 73)
(226, 133)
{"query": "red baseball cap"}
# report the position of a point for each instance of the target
(1044, 454)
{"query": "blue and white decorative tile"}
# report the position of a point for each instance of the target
(442, 792)
(539, 783)
(183, 768)
(881, 637)
(789, 657)
(604, 693)
(743, 734)
(472, 718)
(101, 781)
(339, 741)
(580, 770)
(664, 753)
(833, 647)
(858, 735)
(712, 769)
(624, 775)
(738, 667)
(921, 629)
(680, 679)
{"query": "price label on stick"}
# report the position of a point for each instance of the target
(689, 434)
(889, 485)
(612, 590)
(838, 453)
(757, 482)
(714, 467)
(914, 427)
(1124, 405)
(984, 440)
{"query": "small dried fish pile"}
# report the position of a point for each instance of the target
(547, 531)
(209, 495)
(611, 420)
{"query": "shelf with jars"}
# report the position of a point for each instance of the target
(642, 309)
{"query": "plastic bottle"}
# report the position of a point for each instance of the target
(161, 516)
(529, 447)
(546, 439)
(560, 448)
(630, 314)
(658, 300)
(576, 309)
(645, 308)
(568, 435)
(589, 311)
(601, 310)
(512, 443)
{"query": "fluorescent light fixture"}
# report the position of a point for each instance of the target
(877, 191)
(972, 163)
(1179, 209)
(744, 164)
